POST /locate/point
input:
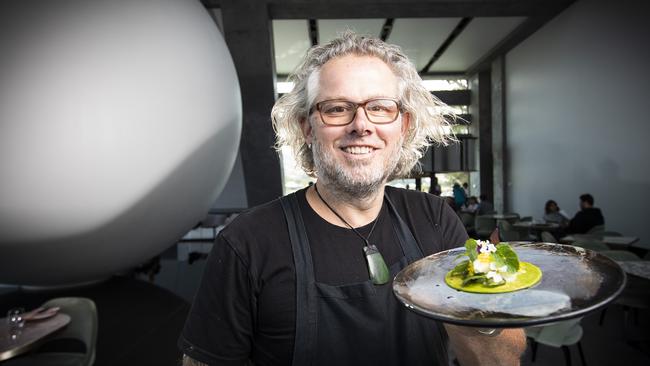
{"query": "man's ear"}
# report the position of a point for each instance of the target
(306, 128)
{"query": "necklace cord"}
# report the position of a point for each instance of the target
(366, 240)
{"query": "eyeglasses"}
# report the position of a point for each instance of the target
(339, 112)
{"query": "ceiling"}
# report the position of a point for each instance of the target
(458, 43)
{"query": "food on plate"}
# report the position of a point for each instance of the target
(491, 268)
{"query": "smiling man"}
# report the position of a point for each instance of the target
(307, 279)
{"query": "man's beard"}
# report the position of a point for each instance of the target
(352, 180)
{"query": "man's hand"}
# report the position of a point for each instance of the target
(473, 348)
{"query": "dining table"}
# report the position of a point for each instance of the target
(28, 337)
(615, 242)
(536, 226)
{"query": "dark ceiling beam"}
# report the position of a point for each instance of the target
(443, 75)
(443, 47)
(346, 9)
(312, 25)
(386, 29)
(523, 31)
(454, 97)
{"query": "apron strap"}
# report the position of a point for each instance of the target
(407, 241)
(305, 298)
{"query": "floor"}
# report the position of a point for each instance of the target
(139, 321)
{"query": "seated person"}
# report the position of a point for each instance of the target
(588, 216)
(471, 206)
(553, 214)
(485, 206)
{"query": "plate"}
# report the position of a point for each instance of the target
(575, 281)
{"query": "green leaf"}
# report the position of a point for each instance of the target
(460, 269)
(470, 249)
(478, 278)
(508, 257)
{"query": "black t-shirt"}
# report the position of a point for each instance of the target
(245, 306)
(586, 219)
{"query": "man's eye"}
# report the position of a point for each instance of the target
(377, 108)
(336, 109)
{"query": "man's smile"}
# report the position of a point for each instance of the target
(358, 150)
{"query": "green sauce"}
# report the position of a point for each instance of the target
(527, 276)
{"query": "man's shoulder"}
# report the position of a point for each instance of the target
(392, 191)
(254, 219)
(258, 233)
(409, 202)
(412, 196)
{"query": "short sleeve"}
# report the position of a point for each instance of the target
(218, 330)
(454, 233)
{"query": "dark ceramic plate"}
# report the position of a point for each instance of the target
(574, 283)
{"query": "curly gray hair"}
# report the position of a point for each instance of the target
(429, 115)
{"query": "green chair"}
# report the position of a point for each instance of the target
(548, 237)
(82, 328)
(484, 226)
(559, 335)
(507, 232)
(467, 219)
(620, 255)
(596, 229)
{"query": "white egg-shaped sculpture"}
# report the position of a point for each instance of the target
(119, 126)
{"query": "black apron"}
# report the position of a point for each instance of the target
(362, 323)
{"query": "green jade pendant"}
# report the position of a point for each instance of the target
(376, 265)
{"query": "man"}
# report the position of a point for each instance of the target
(588, 217)
(306, 280)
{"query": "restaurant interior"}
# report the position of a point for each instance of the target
(132, 132)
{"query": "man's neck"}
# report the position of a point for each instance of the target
(357, 211)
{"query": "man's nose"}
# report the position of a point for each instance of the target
(360, 122)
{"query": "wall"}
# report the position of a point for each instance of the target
(577, 97)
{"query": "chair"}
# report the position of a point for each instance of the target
(484, 226)
(515, 217)
(595, 245)
(467, 219)
(548, 237)
(620, 255)
(560, 335)
(82, 328)
(507, 232)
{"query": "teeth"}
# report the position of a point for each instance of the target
(358, 150)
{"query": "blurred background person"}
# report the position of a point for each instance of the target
(588, 217)
(471, 206)
(553, 214)
(485, 206)
(459, 195)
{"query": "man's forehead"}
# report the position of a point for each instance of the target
(356, 76)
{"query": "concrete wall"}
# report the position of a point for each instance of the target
(577, 97)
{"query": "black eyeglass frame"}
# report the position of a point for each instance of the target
(363, 104)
